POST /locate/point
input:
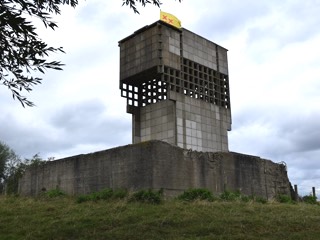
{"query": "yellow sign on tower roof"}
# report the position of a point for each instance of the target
(170, 19)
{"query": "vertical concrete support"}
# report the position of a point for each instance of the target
(177, 87)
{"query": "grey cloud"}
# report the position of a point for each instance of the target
(85, 123)
(275, 132)
(26, 139)
(307, 160)
(304, 133)
(298, 23)
(90, 56)
(303, 170)
(105, 15)
(82, 114)
(226, 19)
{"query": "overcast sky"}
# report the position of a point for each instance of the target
(274, 71)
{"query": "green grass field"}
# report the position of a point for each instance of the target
(64, 218)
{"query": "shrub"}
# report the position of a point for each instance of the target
(147, 196)
(310, 199)
(230, 196)
(259, 199)
(284, 199)
(83, 198)
(245, 198)
(54, 193)
(104, 194)
(196, 194)
(120, 193)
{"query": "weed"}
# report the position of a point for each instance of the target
(83, 198)
(104, 194)
(230, 196)
(259, 199)
(147, 196)
(245, 198)
(284, 199)
(53, 193)
(196, 194)
(310, 199)
(120, 193)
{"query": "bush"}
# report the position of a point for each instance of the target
(120, 193)
(310, 199)
(230, 196)
(204, 194)
(54, 193)
(260, 200)
(245, 198)
(104, 194)
(147, 196)
(154, 197)
(196, 194)
(284, 199)
(237, 196)
(83, 198)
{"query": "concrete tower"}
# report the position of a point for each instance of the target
(177, 87)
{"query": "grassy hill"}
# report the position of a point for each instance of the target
(68, 218)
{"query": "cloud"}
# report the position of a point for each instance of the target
(89, 123)
(277, 130)
(86, 117)
(225, 19)
(78, 124)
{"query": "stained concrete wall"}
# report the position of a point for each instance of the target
(161, 44)
(200, 125)
(156, 122)
(139, 52)
(157, 165)
(186, 122)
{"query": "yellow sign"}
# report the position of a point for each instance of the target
(170, 19)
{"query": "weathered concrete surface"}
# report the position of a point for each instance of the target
(156, 165)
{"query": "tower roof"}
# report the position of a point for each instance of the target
(159, 22)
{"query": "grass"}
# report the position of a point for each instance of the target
(63, 218)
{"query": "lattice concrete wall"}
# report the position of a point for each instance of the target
(162, 63)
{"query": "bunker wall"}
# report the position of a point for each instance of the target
(158, 165)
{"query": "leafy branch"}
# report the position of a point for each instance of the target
(22, 52)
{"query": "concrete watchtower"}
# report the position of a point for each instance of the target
(177, 87)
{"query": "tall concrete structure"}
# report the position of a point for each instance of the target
(177, 90)
(177, 87)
